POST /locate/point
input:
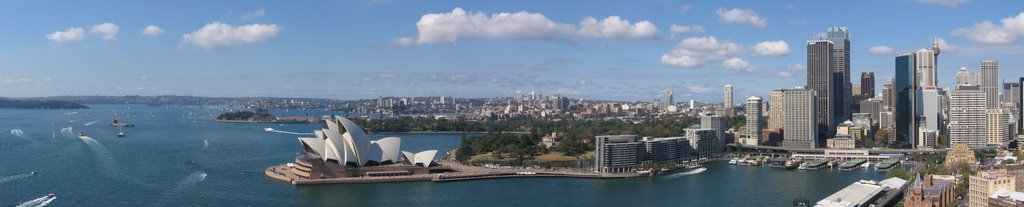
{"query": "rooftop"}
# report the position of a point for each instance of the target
(857, 194)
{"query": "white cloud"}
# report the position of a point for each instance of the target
(771, 48)
(401, 42)
(144, 77)
(796, 67)
(458, 24)
(254, 14)
(107, 30)
(152, 31)
(68, 35)
(687, 29)
(946, 47)
(685, 8)
(881, 50)
(737, 64)
(219, 34)
(744, 16)
(15, 80)
(988, 33)
(785, 74)
(698, 90)
(948, 3)
(614, 27)
(696, 51)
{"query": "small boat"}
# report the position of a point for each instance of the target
(34, 172)
(49, 196)
(733, 161)
(120, 134)
(82, 135)
(268, 129)
(866, 165)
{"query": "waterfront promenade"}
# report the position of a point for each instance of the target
(460, 173)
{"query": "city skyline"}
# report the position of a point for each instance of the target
(276, 49)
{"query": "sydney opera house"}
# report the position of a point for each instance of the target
(342, 149)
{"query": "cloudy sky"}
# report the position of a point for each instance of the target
(364, 49)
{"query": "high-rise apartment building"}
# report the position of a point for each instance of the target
(753, 134)
(997, 129)
(617, 153)
(727, 103)
(776, 117)
(990, 83)
(820, 80)
(967, 116)
(906, 102)
(800, 109)
(715, 123)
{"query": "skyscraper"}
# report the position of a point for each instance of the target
(931, 117)
(754, 111)
(776, 117)
(967, 116)
(669, 100)
(906, 102)
(925, 60)
(965, 77)
(867, 84)
(800, 111)
(842, 95)
(1020, 106)
(727, 103)
(990, 83)
(1010, 93)
(889, 95)
(820, 80)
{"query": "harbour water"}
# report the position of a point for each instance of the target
(178, 156)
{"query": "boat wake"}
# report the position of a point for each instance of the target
(66, 130)
(192, 179)
(206, 143)
(14, 177)
(17, 132)
(691, 172)
(38, 202)
(284, 132)
(90, 123)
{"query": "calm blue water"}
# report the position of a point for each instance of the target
(180, 157)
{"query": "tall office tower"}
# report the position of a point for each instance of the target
(906, 102)
(990, 83)
(1020, 106)
(996, 127)
(716, 123)
(800, 109)
(841, 86)
(692, 104)
(754, 111)
(669, 100)
(775, 115)
(727, 103)
(889, 95)
(926, 66)
(867, 84)
(967, 116)
(965, 77)
(855, 90)
(820, 80)
(1011, 91)
(873, 107)
(931, 117)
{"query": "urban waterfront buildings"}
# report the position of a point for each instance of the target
(820, 80)
(990, 83)
(967, 116)
(906, 102)
(753, 134)
(801, 111)
(623, 153)
(617, 153)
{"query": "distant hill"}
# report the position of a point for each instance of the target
(39, 104)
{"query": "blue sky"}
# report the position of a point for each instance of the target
(587, 49)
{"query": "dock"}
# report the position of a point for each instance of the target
(852, 164)
(814, 164)
(887, 165)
